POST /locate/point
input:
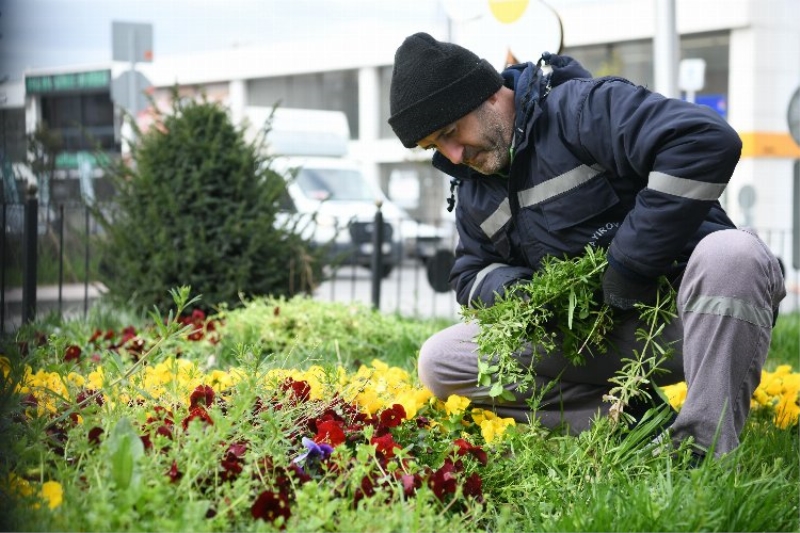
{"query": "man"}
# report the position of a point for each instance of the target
(550, 162)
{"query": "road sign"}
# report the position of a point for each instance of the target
(692, 75)
(129, 91)
(132, 42)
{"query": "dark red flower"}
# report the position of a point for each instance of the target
(331, 432)
(385, 445)
(198, 413)
(443, 481)
(165, 430)
(463, 448)
(128, 333)
(269, 506)
(473, 486)
(72, 353)
(393, 416)
(94, 435)
(366, 490)
(411, 482)
(173, 473)
(202, 395)
(300, 391)
(233, 463)
(84, 396)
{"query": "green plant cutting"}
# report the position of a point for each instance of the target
(561, 307)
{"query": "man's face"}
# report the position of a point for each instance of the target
(481, 140)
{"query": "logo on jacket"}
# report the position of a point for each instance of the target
(602, 235)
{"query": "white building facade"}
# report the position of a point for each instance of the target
(751, 51)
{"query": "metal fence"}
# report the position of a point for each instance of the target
(48, 267)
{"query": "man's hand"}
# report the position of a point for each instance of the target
(624, 293)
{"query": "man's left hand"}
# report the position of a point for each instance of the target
(624, 293)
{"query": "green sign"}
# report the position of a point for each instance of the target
(66, 160)
(72, 81)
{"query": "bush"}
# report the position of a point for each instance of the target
(198, 207)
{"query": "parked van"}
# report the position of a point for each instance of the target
(330, 193)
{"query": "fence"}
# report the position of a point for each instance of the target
(48, 265)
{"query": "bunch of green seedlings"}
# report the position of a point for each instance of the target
(561, 309)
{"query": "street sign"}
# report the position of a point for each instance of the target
(132, 42)
(692, 75)
(128, 90)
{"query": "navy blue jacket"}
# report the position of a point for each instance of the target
(598, 162)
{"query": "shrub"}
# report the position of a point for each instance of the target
(198, 205)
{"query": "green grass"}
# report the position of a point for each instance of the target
(603, 480)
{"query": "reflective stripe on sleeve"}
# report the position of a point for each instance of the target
(685, 188)
(479, 279)
(557, 186)
(498, 219)
(732, 307)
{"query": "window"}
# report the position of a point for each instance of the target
(83, 120)
(634, 60)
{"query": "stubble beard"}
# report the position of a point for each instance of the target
(492, 155)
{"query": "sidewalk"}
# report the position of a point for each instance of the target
(73, 300)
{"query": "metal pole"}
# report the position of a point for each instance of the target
(377, 258)
(86, 265)
(60, 258)
(665, 49)
(29, 267)
(3, 274)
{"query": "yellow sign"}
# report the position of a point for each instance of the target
(508, 11)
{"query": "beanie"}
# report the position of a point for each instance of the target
(434, 84)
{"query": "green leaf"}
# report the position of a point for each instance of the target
(571, 310)
(125, 448)
(496, 390)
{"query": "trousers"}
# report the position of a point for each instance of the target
(730, 292)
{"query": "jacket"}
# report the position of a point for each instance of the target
(595, 161)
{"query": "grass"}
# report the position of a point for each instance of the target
(602, 480)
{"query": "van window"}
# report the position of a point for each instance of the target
(334, 184)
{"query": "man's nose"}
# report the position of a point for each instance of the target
(453, 151)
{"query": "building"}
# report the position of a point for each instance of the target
(750, 48)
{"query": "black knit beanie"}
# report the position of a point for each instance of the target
(434, 84)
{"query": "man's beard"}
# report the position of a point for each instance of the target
(492, 155)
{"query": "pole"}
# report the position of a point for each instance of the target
(377, 258)
(29, 267)
(665, 49)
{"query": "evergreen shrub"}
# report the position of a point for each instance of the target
(197, 205)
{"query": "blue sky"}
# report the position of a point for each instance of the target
(54, 33)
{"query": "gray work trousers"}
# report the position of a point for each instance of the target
(730, 289)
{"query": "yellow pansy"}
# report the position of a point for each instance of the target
(52, 493)
(495, 428)
(676, 394)
(456, 405)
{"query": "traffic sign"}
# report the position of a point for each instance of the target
(132, 42)
(128, 90)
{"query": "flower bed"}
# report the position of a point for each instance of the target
(139, 431)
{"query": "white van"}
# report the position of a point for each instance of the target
(335, 202)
